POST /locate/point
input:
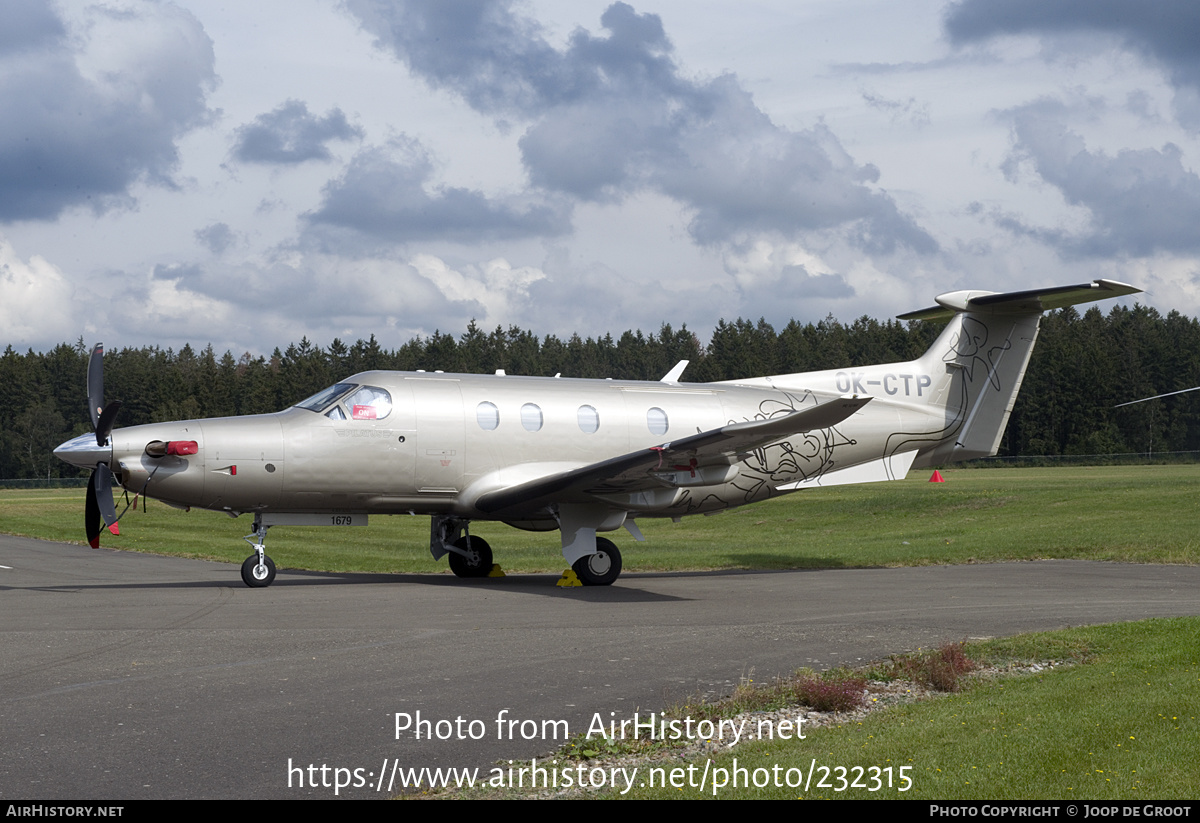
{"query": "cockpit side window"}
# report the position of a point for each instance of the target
(322, 399)
(369, 403)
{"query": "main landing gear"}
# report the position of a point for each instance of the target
(471, 556)
(595, 560)
(601, 568)
(258, 570)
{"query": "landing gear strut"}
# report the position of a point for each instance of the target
(258, 570)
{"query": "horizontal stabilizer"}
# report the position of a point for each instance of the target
(1035, 301)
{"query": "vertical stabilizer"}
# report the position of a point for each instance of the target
(978, 362)
(977, 365)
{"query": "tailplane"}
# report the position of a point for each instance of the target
(976, 366)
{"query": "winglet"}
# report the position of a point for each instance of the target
(674, 374)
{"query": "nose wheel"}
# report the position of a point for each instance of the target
(258, 570)
(256, 573)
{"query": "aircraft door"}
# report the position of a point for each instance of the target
(440, 449)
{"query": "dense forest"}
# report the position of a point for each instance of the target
(1082, 366)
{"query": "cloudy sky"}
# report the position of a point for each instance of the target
(245, 174)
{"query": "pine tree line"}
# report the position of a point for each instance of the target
(1082, 367)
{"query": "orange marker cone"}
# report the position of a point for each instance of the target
(937, 477)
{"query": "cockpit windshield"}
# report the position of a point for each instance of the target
(321, 400)
(350, 401)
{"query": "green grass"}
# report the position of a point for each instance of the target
(1126, 513)
(1120, 726)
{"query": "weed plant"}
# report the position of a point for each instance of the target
(940, 669)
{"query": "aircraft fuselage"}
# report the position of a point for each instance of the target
(448, 438)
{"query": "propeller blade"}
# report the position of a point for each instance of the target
(105, 424)
(91, 514)
(95, 384)
(99, 504)
(103, 480)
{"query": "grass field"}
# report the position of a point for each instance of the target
(1119, 723)
(1145, 514)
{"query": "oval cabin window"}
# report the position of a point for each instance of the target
(589, 419)
(488, 416)
(656, 421)
(531, 417)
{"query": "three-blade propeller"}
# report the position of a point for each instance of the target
(99, 505)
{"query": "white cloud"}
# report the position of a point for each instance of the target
(36, 301)
(498, 289)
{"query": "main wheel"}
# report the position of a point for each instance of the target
(256, 576)
(478, 562)
(601, 568)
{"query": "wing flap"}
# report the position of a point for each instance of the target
(632, 472)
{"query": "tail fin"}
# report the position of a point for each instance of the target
(953, 402)
(976, 366)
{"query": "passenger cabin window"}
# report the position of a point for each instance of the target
(531, 417)
(656, 421)
(488, 416)
(589, 419)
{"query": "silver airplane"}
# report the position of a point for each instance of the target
(579, 456)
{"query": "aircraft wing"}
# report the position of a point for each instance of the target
(634, 471)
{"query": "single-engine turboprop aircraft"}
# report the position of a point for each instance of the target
(580, 456)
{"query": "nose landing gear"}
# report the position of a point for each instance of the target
(258, 570)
